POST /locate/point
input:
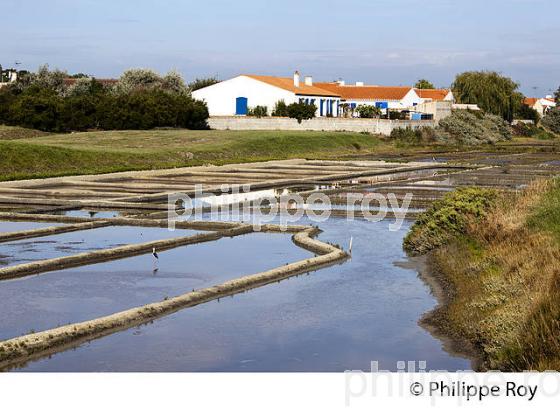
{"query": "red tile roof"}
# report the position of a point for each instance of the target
(530, 101)
(433, 94)
(287, 83)
(366, 92)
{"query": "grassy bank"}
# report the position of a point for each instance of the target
(100, 152)
(500, 272)
(109, 151)
(33, 154)
(12, 133)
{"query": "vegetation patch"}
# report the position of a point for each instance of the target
(14, 133)
(531, 131)
(501, 274)
(466, 127)
(552, 120)
(112, 151)
(447, 218)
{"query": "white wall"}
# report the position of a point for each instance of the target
(220, 97)
(411, 98)
(373, 125)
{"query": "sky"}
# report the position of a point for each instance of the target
(389, 42)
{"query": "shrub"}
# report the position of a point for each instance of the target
(531, 131)
(301, 111)
(199, 83)
(152, 101)
(280, 109)
(524, 112)
(142, 79)
(37, 108)
(552, 120)
(472, 128)
(447, 218)
(258, 111)
(149, 109)
(368, 111)
(522, 129)
(397, 115)
(410, 137)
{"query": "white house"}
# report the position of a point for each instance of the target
(237, 95)
(398, 98)
(10, 75)
(541, 105)
(429, 95)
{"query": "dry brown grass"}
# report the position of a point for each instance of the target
(504, 282)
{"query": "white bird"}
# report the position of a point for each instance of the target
(350, 247)
(155, 253)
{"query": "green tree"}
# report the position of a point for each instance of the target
(38, 108)
(423, 84)
(552, 120)
(301, 111)
(280, 109)
(491, 91)
(143, 79)
(258, 111)
(524, 112)
(368, 111)
(557, 95)
(199, 83)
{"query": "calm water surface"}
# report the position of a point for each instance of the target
(335, 319)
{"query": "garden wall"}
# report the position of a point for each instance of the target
(374, 126)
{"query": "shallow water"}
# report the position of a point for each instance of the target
(69, 243)
(9, 226)
(76, 294)
(339, 318)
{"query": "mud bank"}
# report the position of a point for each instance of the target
(21, 349)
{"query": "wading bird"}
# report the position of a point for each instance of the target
(156, 258)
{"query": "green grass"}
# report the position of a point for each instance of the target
(110, 151)
(546, 216)
(12, 133)
(33, 154)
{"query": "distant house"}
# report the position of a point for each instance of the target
(428, 95)
(541, 105)
(8, 76)
(398, 98)
(235, 96)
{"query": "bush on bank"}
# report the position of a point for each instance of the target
(139, 100)
(472, 128)
(447, 218)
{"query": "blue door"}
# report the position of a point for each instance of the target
(241, 106)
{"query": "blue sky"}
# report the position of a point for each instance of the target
(389, 42)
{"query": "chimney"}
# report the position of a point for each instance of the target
(359, 83)
(296, 79)
(341, 82)
(308, 80)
